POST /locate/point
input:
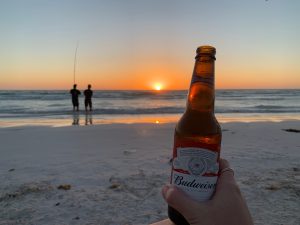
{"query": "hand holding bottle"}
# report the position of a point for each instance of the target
(226, 207)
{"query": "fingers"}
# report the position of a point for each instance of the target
(178, 200)
(226, 173)
(226, 179)
(223, 163)
(189, 208)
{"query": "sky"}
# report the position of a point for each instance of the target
(137, 44)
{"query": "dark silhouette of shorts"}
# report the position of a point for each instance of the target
(88, 102)
(75, 102)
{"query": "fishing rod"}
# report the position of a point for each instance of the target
(75, 62)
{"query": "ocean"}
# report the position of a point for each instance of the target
(55, 107)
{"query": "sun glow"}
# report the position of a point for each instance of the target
(157, 86)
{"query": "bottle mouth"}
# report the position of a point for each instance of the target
(206, 50)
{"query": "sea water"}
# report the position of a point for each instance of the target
(55, 107)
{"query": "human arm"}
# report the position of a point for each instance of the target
(226, 207)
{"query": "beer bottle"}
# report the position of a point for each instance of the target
(197, 138)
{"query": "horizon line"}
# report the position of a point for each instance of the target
(150, 89)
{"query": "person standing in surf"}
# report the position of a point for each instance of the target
(88, 93)
(75, 93)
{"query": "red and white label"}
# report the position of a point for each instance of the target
(195, 171)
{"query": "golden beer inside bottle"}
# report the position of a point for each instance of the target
(197, 137)
(204, 66)
(199, 124)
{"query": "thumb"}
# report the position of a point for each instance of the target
(177, 199)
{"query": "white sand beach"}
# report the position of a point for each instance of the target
(116, 171)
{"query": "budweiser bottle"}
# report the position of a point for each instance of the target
(197, 138)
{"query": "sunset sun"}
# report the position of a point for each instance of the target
(157, 87)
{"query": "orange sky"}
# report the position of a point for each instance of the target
(145, 74)
(137, 44)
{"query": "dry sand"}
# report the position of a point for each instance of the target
(112, 174)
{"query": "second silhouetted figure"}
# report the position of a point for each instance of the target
(88, 93)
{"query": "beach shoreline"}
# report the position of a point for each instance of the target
(54, 108)
(116, 171)
(83, 118)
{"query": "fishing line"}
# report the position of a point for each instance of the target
(75, 62)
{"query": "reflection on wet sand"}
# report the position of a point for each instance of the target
(88, 118)
(76, 118)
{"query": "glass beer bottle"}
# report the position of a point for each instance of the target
(197, 138)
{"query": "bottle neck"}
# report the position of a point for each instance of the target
(201, 95)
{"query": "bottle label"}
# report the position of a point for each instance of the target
(195, 171)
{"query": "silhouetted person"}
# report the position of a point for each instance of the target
(75, 93)
(88, 93)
